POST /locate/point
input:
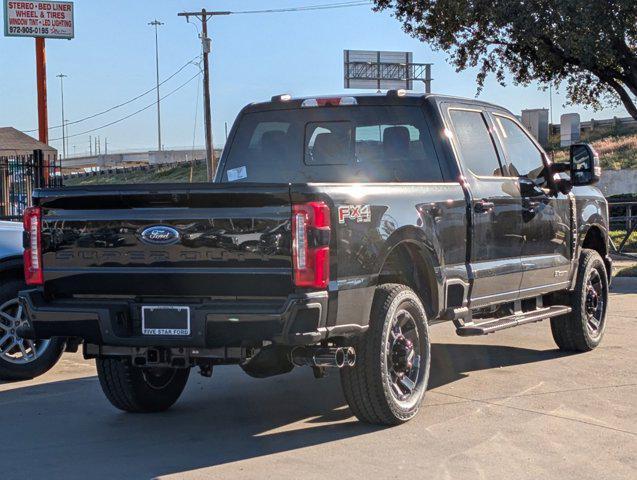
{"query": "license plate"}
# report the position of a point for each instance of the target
(165, 320)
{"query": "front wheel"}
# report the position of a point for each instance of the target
(140, 390)
(388, 382)
(582, 329)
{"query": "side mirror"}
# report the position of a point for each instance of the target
(585, 169)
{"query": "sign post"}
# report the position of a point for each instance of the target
(40, 20)
(40, 75)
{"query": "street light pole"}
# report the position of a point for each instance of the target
(204, 15)
(155, 23)
(61, 76)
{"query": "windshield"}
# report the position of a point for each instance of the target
(337, 144)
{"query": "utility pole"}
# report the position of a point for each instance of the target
(203, 16)
(551, 103)
(90, 145)
(155, 23)
(61, 76)
(66, 129)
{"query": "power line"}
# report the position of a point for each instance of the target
(305, 8)
(123, 103)
(134, 113)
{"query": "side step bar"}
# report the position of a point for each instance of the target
(493, 325)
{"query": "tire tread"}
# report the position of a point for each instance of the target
(125, 390)
(569, 331)
(363, 386)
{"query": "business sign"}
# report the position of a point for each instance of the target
(38, 19)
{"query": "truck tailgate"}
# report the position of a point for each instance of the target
(168, 239)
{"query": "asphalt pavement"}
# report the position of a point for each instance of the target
(508, 405)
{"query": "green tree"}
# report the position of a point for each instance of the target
(588, 45)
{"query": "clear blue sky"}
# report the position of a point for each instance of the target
(111, 59)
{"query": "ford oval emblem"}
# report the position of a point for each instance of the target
(160, 235)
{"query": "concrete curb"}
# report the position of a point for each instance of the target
(624, 285)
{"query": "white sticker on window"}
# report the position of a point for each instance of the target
(237, 173)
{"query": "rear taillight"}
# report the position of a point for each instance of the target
(33, 246)
(311, 244)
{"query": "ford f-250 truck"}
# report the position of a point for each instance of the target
(337, 230)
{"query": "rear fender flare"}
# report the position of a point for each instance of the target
(427, 249)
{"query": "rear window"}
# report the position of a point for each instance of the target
(333, 144)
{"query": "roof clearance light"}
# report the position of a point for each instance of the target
(286, 97)
(396, 93)
(348, 101)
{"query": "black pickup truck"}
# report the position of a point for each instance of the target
(337, 230)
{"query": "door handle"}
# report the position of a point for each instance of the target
(531, 205)
(483, 206)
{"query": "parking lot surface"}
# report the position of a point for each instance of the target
(508, 405)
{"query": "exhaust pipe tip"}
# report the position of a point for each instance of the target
(350, 356)
(322, 357)
(340, 357)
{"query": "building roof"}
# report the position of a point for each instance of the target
(13, 141)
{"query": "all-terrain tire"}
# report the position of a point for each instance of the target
(368, 385)
(140, 390)
(574, 332)
(47, 356)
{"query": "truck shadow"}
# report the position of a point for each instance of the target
(74, 433)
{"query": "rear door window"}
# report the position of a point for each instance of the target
(476, 145)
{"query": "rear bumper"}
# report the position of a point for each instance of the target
(298, 320)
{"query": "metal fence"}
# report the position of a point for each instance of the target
(623, 216)
(19, 176)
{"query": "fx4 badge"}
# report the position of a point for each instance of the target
(360, 213)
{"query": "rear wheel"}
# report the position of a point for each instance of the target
(582, 329)
(22, 359)
(140, 390)
(388, 382)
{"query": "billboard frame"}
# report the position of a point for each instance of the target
(31, 35)
(375, 69)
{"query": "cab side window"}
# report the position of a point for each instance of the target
(476, 144)
(525, 160)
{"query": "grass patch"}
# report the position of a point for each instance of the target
(617, 147)
(185, 173)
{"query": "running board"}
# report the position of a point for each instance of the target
(495, 324)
